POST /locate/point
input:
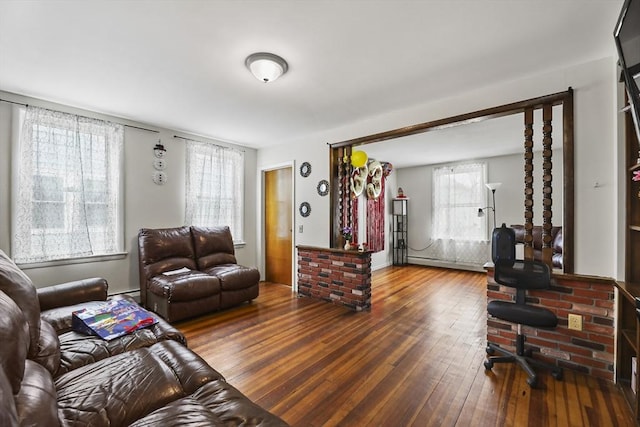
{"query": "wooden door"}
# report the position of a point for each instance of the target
(278, 225)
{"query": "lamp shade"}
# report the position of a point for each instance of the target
(266, 67)
(493, 186)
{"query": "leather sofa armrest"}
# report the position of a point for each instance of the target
(71, 293)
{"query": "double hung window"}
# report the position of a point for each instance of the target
(67, 192)
(458, 191)
(215, 187)
(459, 235)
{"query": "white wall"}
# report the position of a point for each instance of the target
(596, 155)
(146, 204)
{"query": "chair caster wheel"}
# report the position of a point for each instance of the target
(488, 364)
(557, 375)
(490, 350)
(532, 381)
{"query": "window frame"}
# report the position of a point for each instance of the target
(470, 207)
(114, 157)
(194, 149)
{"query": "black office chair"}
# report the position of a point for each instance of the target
(521, 275)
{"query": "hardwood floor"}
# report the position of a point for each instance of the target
(415, 359)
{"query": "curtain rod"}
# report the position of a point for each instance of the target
(138, 127)
(205, 142)
(14, 102)
(129, 126)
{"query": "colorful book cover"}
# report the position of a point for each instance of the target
(112, 319)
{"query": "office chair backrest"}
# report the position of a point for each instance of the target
(515, 273)
(503, 246)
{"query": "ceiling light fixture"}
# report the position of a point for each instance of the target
(266, 67)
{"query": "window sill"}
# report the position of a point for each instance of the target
(69, 261)
(239, 244)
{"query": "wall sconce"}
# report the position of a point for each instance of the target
(493, 186)
(266, 67)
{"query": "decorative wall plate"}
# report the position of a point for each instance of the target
(323, 187)
(305, 169)
(159, 177)
(159, 151)
(159, 164)
(305, 209)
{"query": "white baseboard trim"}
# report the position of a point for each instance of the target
(445, 264)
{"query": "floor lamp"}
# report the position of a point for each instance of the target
(493, 186)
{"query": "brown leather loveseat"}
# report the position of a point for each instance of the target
(189, 271)
(51, 376)
(556, 242)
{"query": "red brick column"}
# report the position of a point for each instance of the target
(591, 350)
(335, 275)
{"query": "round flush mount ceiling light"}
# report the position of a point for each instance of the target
(266, 67)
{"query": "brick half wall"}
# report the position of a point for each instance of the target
(335, 275)
(591, 350)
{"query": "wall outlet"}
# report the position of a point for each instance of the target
(575, 322)
(300, 229)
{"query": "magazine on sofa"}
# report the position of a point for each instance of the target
(112, 319)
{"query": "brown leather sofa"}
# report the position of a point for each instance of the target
(211, 278)
(556, 242)
(148, 378)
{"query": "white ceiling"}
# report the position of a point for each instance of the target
(180, 64)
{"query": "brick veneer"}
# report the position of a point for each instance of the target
(335, 275)
(591, 350)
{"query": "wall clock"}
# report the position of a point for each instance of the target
(323, 187)
(305, 169)
(305, 209)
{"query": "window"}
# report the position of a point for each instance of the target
(67, 194)
(458, 192)
(215, 187)
(459, 236)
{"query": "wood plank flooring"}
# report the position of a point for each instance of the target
(415, 360)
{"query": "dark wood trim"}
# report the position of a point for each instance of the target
(547, 179)
(568, 231)
(528, 183)
(461, 119)
(561, 98)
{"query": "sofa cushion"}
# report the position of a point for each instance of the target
(14, 339)
(215, 403)
(234, 276)
(169, 248)
(48, 348)
(60, 317)
(77, 349)
(184, 286)
(123, 388)
(8, 414)
(71, 293)
(20, 289)
(36, 402)
(184, 412)
(213, 246)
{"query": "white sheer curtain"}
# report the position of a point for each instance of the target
(67, 197)
(459, 235)
(215, 187)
